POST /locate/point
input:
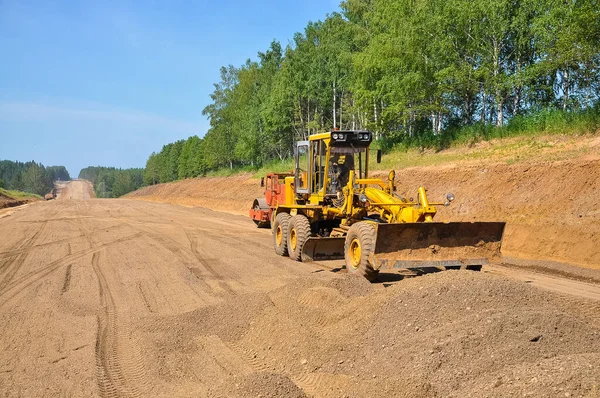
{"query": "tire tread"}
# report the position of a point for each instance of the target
(282, 219)
(303, 232)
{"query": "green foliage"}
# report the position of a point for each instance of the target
(30, 177)
(110, 182)
(57, 173)
(420, 73)
(544, 122)
(182, 159)
(18, 194)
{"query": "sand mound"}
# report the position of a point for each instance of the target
(258, 385)
(454, 333)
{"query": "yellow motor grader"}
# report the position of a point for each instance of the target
(331, 209)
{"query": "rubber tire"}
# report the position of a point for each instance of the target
(302, 226)
(281, 220)
(364, 232)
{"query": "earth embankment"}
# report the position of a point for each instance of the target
(552, 207)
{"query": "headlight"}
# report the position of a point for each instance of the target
(335, 136)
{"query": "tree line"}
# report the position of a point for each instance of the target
(110, 182)
(178, 160)
(406, 70)
(31, 176)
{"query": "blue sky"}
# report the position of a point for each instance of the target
(108, 82)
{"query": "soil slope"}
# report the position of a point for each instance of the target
(552, 207)
(8, 201)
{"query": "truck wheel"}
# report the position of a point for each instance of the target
(280, 233)
(360, 243)
(299, 232)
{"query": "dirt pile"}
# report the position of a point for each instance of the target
(266, 385)
(455, 333)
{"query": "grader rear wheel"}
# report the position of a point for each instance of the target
(299, 232)
(280, 232)
(360, 243)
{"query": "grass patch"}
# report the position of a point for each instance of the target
(528, 132)
(18, 195)
(544, 122)
(531, 136)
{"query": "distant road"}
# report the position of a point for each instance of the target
(76, 189)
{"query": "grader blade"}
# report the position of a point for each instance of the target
(316, 249)
(455, 245)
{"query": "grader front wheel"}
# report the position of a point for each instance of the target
(299, 232)
(280, 233)
(360, 243)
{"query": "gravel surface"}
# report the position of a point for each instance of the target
(122, 298)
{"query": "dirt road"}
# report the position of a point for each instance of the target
(124, 298)
(76, 189)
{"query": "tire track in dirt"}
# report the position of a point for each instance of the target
(150, 306)
(15, 252)
(180, 253)
(67, 282)
(205, 262)
(189, 257)
(10, 268)
(119, 367)
(314, 383)
(589, 309)
(18, 286)
(311, 303)
(228, 360)
(249, 356)
(157, 303)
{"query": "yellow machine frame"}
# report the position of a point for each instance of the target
(365, 222)
(391, 208)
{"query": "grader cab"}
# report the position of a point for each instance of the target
(331, 209)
